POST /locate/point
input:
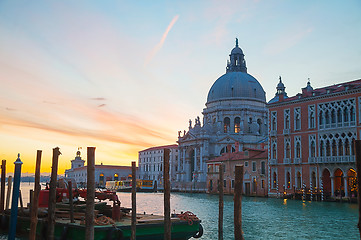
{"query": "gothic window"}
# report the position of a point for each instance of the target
(352, 114)
(274, 149)
(287, 119)
(327, 117)
(345, 114)
(347, 147)
(340, 148)
(274, 180)
(339, 115)
(288, 183)
(297, 147)
(274, 121)
(311, 116)
(328, 148)
(333, 116)
(287, 148)
(226, 124)
(237, 125)
(322, 149)
(321, 118)
(334, 148)
(298, 180)
(297, 118)
(313, 149)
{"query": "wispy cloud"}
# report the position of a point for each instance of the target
(161, 42)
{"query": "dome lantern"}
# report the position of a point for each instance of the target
(236, 62)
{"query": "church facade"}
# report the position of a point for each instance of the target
(235, 115)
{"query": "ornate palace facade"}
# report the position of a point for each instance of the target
(311, 140)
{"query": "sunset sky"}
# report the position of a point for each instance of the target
(123, 76)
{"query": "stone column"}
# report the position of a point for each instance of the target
(345, 187)
(201, 159)
(184, 160)
(195, 159)
(332, 186)
(179, 161)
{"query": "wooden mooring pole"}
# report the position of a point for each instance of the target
(238, 189)
(71, 205)
(52, 194)
(35, 198)
(167, 221)
(90, 194)
(2, 193)
(10, 182)
(357, 147)
(134, 202)
(220, 204)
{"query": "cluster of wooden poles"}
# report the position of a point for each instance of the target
(89, 215)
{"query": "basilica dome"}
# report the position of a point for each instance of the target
(236, 83)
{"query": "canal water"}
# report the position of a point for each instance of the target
(263, 218)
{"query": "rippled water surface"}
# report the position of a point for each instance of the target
(263, 218)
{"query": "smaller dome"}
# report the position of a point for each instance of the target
(280, 85)
(236, 50)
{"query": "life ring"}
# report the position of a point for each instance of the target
(199, 233)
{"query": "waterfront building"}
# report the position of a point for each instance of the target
(235, 112)
(151, 163)
(103, 173)
(255, 167)
(311, 140)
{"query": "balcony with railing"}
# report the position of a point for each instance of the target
(286, 160)
(297, 160)
(273, 133)
(286, 131)
(272, 161)
(332, 159)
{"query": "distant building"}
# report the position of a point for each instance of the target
(150, 163)
(255, 168)
(235, 112)
(311, 140)
(103, 173)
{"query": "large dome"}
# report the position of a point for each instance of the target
(236, 85)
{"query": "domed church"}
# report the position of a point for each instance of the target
(235, 117)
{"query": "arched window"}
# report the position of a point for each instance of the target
(298, 180)
(274, 123)
(340, 148)
(274, 180)
(226, 124)
(288, 180)
(327, 117)
(237, 125)
(322, 149)
(298, 150)
(288, 151)
(274, 151)
(321, 117)
(313, 149)
(352, 114)
(345, 114)
(334, 148)
(339, 116)
(313, 179)
(333, 116)
(328, 148)
(347, 148)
